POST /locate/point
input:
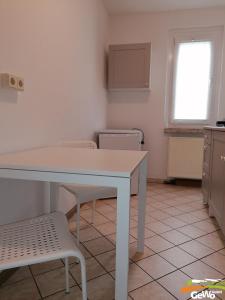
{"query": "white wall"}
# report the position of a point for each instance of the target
(59, 48)
(140, 109)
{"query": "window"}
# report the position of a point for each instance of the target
(194, 73)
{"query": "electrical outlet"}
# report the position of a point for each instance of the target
(9, 81)
(20, 83)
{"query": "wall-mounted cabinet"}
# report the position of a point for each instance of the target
(129, 66)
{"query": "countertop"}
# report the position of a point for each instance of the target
(215, 128)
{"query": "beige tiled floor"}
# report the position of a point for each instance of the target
(181, 242)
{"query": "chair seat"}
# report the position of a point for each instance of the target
(85, 193)
(36, 240)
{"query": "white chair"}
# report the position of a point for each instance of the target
(86, 193)
(39, 240)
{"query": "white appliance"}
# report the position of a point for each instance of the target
(122, 140)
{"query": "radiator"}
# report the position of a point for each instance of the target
(185, 157)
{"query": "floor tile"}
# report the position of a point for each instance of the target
(73, 225)
(174, 222)
(19, 274)
(104, 209)
(133, 224)
(158, 227)
(199, 270)
(212, 242)
(99, 245)
(177, 257)
(148, 233)
(75, 294)
(152, 290)
(135, 255)
(222, 251)
(112, 238)
(22, 290)
(52, 282)
(101, 288)
(174, 215)
(156, 266)
(159, 215)
(111, 216)
(186, 208)
(206, 226)
(201, 214)
(107, 228)
(73, 260)
(108, 260)
(46, 267)
(98, 218)
(157, 244)
(175, 237)
(88, 234)
(196, 249)
(174, 282)
(137, 277)
(93, 270)
(173, 211)
(191, 231)
(216, 261)
(188, 218)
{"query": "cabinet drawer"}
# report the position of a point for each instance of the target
(219, 136)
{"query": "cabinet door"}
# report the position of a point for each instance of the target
(217, 179)
(206, 167)
(129, 66)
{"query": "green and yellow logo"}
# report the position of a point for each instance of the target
(204, 289)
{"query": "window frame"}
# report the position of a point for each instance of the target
(213, 35)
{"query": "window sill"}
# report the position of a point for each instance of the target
(183, 131)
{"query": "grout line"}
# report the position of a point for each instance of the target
(39, 291)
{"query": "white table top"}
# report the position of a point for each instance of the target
(120, 163)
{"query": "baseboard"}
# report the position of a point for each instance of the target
(155, 180)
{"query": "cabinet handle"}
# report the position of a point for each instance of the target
(205, 147)
(203, 174)
(222, 158)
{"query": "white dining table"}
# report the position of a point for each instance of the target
(111, 168)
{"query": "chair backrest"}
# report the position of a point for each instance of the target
(79, 144)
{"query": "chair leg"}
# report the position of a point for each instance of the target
(78, 223)
(93, 211)
(67, 275)
(83, 278)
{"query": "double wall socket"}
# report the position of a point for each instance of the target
(12, 81)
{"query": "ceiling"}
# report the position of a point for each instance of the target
(137, 6)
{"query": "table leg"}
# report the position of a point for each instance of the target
(122, 239)
(50, 197)
(54, 196)
(47, 198)
(142, 204)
